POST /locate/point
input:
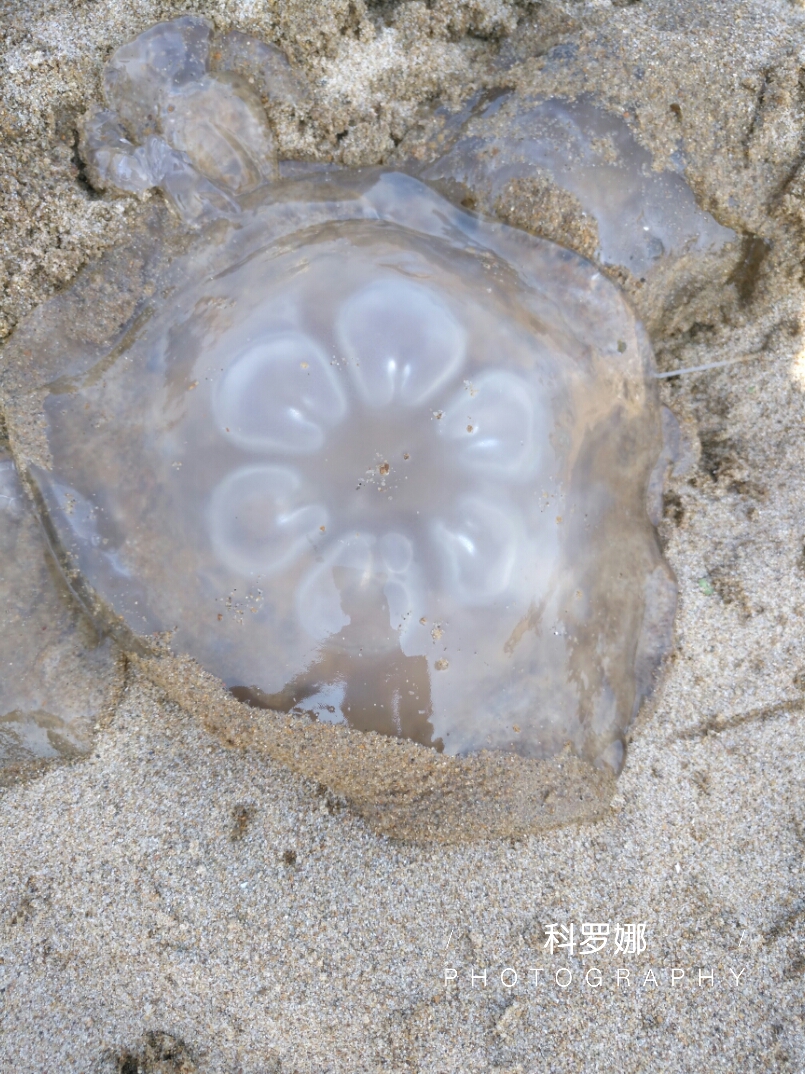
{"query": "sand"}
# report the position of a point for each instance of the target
(171, 903)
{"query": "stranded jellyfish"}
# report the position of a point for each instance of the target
(361, 454)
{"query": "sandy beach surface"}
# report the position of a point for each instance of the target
(172, 903)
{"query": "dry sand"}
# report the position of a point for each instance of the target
(171, 904)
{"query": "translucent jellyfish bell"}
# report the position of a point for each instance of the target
(369, 452)
(478, 544)
(496, 421)
(344, 577)
(258, 522)
(397, 553)
(280, 394)
(402, 342)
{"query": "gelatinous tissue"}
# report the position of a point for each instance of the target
(622, 210)
(173, 122)
(381, 462)
(363, 454)
(56, 676)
